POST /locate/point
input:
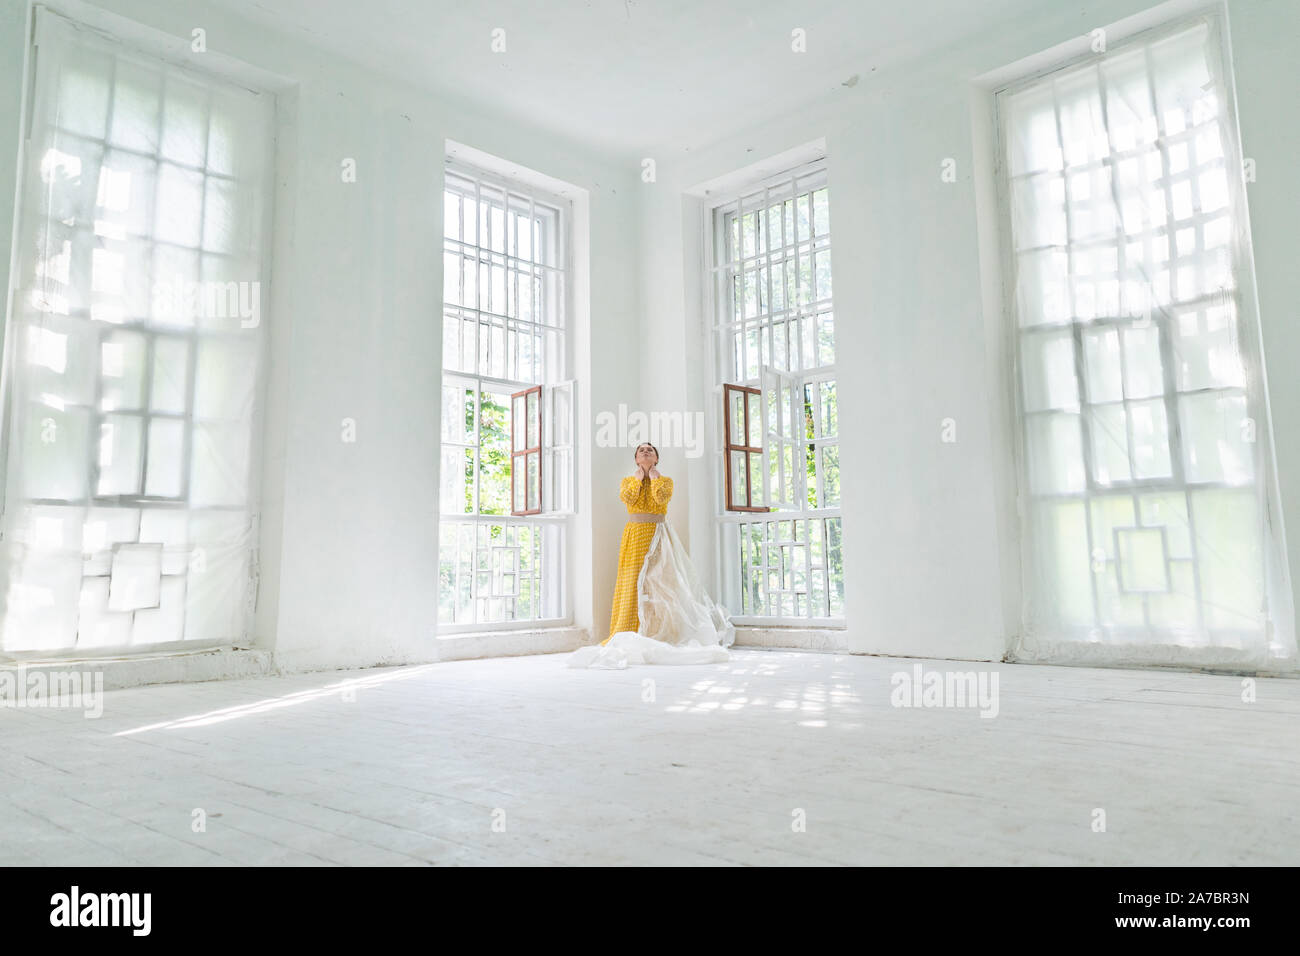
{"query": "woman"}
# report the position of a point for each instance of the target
(661, 613)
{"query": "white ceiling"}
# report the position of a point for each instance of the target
(626, 76)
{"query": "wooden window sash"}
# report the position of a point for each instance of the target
(523, 453)
(730, 445)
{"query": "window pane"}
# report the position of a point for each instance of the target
(1217, 438)
(1108, 428)
(57, 449)
(1207, 354)
(519, 424)
(825, 338)
(219, 464)
(122, 371)
(185, 118)
(1048, 371)
(1103, 365)
(534, 480)
(831, 475)
(1055, 454)
(451, 215)
(517, 479)
(1143, 374)
(119, 455)
(83, 94)
(739, 478)
(223, 389)
(821, 212)
(170, 386)
(457, 480)
(1042, 287)
(180, 205)
(166, 450)
(1150, 439)
(736, 413)
(126, 193)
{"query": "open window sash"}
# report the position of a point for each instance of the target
(526, 451)
(559, 460)
(742, 415)
(542, 462)
(784, 431)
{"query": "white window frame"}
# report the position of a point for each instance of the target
(558, 502)
(727, 524)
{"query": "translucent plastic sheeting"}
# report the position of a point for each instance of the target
(1149, 503)
(134, 352)
(678, 622)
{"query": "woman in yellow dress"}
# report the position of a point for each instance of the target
(646, 494)
(661, 613)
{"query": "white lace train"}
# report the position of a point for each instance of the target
(679, 622)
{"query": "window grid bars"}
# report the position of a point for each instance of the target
(732, 365)
(768, 558)
(147, 328)
(548, 352)
(487, 321)
(731, 270)
(478, 530)
(1160, 323)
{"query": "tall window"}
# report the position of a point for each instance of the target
(137, 331)
(1144, 429)
(774, 336)
(507, 408)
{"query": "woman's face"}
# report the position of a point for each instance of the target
(646, 457)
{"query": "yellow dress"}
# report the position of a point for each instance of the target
(642, 496)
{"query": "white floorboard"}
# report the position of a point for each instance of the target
(412, 770)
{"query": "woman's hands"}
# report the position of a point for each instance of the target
(641, 474)
(654, 472)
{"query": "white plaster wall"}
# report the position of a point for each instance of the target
(13, 48)
(349, 555)
(929, 528)
(1265, 40)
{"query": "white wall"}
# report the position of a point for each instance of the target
(13, 48)
(929, 528)
(349, 556)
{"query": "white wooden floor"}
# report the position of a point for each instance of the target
(581, 768)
